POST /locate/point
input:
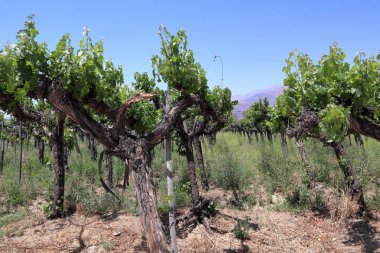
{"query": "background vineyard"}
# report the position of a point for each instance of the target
(256, 171)
(68, 115)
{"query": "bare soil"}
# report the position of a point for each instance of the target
(269, 231)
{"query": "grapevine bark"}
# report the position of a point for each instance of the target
(56, 139)
(146, 198)
(199, 155)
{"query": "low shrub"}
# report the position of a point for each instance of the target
(225, 169)
(241, 229)
(91, 200)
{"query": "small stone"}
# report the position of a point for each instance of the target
(92, 249)
(116, 233)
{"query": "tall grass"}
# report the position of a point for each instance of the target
(235, 164)
(81, 181)
(262, 168)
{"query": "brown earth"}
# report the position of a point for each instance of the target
(269, 231)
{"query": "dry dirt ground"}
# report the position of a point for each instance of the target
(269, 231)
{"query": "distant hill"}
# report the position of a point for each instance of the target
(247, 100)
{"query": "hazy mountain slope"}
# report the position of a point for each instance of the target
(247, 100)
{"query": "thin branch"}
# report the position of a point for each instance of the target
(167, 124)
(120, 118)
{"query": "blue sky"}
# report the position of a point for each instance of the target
(252, 37)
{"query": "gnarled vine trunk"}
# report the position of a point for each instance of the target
(108, 169)
(284, 143)
(262, 136)
(199, 155)
(39, 144)
(92, 147)
(2, 151)
(127, 169)
(191, 170)
(350, 177)
(302, 151)
(20, 155)
(358, 140)
(41, 150)
(146, 198)
(57, 144)
(256, 137)
(249, 138)
(66, 158)
(269, 136)
(310, 120)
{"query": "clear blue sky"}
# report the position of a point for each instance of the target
(252, 37)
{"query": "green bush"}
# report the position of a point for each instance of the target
(318, 203)
(241, 229)
(300, 198)
(14, 195)
(374, 201)
(182, 194)
(84, 194)
(276, 170)
(225, 169)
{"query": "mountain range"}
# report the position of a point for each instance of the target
(245, 101)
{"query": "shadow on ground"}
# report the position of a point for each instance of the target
(361, 232)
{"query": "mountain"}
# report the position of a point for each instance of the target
(245, 101)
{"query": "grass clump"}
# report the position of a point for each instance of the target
(92, 200)
(374, 201)
(241, 229)
(300, 198)
(11, 218)
(225, 169)
(107, 245)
